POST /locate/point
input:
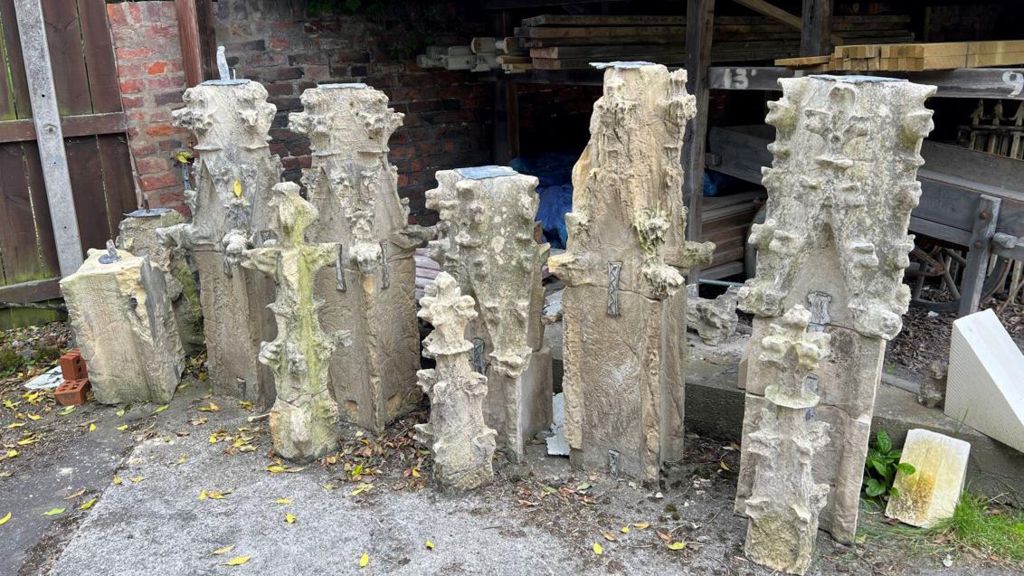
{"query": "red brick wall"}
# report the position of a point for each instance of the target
(448, 122)
(148, 55)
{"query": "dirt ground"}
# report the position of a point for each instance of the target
(138, 470)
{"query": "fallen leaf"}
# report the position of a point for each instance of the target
(415, 472)
(211, 407)
(116, 481)
(137, 479)
(66, 410)
(33, 417)
(609, 536)
(675, 545)
(6, 518)
(161, 408)
(283, 501)
(429, 544)
(244, 405)
(641, 525)
(276, 469)
(664, 537)
(598, 549)
(89, 504)
(289, 518)
(364, 560)
(16, 425)
(624, 529)
(582, 486)
(363, 487)
(120, 412)
(92, 427)
(12, 453)
(238, 560)
(724, 466)
(183, 459)
(122, 427)
(217, 494)
(30, 439)
(53, 512)
(75, 495)
(224, 549)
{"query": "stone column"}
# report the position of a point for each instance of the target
(624, 315)
(785, 500)
(304, 417)
(355, 189)
(487, 243)
(462, 444)
(840, 192)
(234, 171)
(138, 235)
(122, 320)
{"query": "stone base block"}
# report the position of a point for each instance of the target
(931, 493)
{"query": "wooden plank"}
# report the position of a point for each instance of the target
(188, 32)
(19, 259)
(73, 126)
(986, 215)
(602, 20)
(206, 22)
(90, 197)
(15, 60)
(772, 11)
(602, 32)
(100, 65)
(119, 187)
(45, 242)
(31, 291)
(816, 28)
(43, 96)
(7, 109)
(613, 50)
(701, 15)
(67, 57)
(597, 40)
(802, 61)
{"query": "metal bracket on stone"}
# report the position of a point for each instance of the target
(111, 256)
(385, 269)
(818, 303)
(339, 268)
(614, 271)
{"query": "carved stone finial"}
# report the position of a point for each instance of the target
(463, 446)
(304, 416)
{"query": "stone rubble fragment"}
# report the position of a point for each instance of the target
(355, 189)
(138, 235)
(234, 172)
(624, 315)
(304, 417)
(840, 192)
(123, 323)
(931, 492)
(462, 444)
(785, 499)
(715, 320)
(486, 241)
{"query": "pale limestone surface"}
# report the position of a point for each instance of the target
(840, 192)
(123, 323)
(624, 315)
(235, 172)
(304, 417)
(785, 499)
(715, 320)
(462, 444)
(486, 241)
(138, 235)
(355, 189)
(931, 493)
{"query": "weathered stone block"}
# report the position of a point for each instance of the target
(931, 493)
(354, 187)
(624, 316)
(124, 325)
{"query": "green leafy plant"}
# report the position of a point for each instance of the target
(881, 466)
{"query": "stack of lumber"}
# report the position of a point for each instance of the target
(913, 57)
(560, 42)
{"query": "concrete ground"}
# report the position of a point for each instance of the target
(537, 518)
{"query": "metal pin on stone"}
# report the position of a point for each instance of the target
(111, 256)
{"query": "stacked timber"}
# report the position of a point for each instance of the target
(561, 42)
(912, 57)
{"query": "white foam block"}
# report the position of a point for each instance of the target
(985, 386)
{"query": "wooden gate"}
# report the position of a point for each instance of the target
(95, 143)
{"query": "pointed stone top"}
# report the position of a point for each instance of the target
(486, 172)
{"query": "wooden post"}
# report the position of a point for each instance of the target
(188, 31)
(700, 16)
(49, 134)
(207, 38)
(816, 28)
(985, 216)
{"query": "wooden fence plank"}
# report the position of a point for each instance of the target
(64, 36)
(99, 57)
(15, 60)
(47, 245)
(118, 183)
(7, 110)
(90, 198)
(73, 126)
(19, 259)
(43, 96)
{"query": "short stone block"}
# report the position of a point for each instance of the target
(931, 493)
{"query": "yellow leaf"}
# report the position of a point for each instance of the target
(122, 428)
(276, 469)
(675, 545)
(161, 408)
(120, 412)
(67, 410)
(641, 525)
(415, 473)
(245, 405)
(137, 479)
(211, 407)
(598, 549)
(6, 518)
(117, 480)
(33, 417)
(202, 494)
(87, 505)
(12, 453)
(430, 545)
(238, 560)
(364, 560)
(363, 487)
(289, 518)
(283, 501)
(724, 466)
(16, 425)
(92, 427)
(224, 549)
(31, 439)
(238, 188)
(624, 529)
(54, 512)
(217, 494)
